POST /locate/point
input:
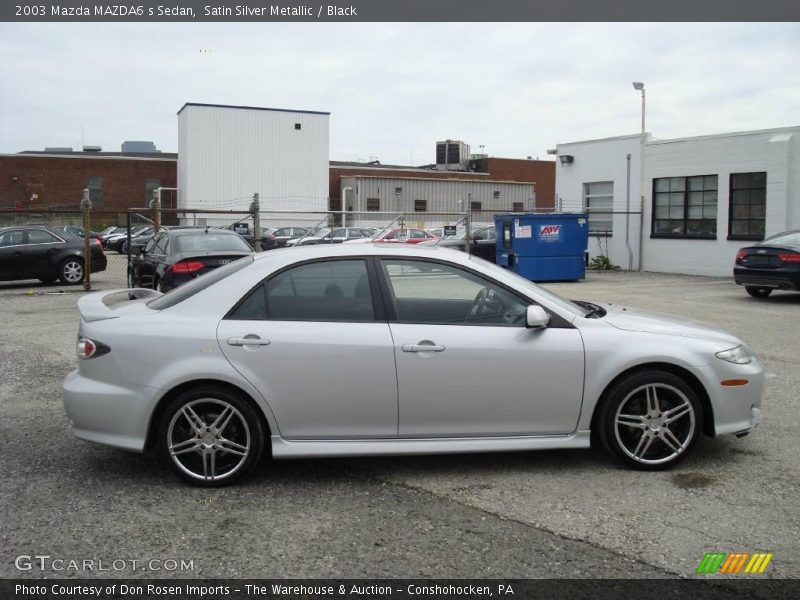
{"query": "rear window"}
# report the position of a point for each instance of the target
(791, 238)
(210, 242)
(179, 294)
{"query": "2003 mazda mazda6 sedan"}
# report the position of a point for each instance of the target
(382, 349)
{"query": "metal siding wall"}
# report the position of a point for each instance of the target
(443, 195)
(227, 154)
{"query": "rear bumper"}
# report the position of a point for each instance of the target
(98, 263)
(767, 278)
(108, 414)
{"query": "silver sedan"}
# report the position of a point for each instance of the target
(393, 349)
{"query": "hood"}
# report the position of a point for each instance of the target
(629, 319)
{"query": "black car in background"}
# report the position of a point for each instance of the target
(77, 232)
(37, 252)
(279, 237)
(246, 231)
(174, 256)
(483, 242)
(117, 239)
(773, 264)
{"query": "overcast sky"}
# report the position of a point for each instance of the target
(393, 90)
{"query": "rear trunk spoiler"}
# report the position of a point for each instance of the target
(93, 307)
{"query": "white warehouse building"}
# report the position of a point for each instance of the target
(389, 196)
(702, 198)
(228, 153)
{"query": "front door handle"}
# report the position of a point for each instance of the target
(248, 340)
(424, 346)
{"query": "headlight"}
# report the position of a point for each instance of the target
(738, 355)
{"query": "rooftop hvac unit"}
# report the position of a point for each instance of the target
(452, 155)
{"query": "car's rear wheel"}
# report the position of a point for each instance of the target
(758, 292)
(650, 420)
(211, 436)
(71, 271)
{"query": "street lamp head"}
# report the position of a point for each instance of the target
(638, 85)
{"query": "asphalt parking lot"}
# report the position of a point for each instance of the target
(545, 514)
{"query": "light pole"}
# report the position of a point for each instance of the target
(638, 85)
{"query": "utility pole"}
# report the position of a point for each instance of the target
(155, 206)
(255, 209)
(86, 208)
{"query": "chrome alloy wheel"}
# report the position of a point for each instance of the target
(72, 271)
(208, 439)
(655, 423)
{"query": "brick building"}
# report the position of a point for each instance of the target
(117, 181)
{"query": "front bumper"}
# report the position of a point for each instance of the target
(108, 414)
(737, 409)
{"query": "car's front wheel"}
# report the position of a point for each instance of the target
(650, 420)
(758, 292)
(211, 436)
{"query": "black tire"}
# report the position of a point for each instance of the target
(630, 400)
(71, 271)
(244, 429)
(758, 292)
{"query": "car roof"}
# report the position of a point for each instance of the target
(366, 249)
(28, 228)
(185, 230)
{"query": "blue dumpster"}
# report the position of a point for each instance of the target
(543, 247)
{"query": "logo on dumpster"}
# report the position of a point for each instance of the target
(549, 233)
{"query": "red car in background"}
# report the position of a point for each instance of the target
(396, 236)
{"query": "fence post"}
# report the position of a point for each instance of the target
(86, 208)
(467, 238)
(255, 208)
(156, 209)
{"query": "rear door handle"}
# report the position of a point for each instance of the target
(248, 340)
(429, 347)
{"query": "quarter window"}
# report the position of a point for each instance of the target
(599, 201)
(748, 204)
(685, 207)
(335, 290)
(436, 293)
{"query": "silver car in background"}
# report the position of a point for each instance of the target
(381, 349)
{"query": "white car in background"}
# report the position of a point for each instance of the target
(383, 349)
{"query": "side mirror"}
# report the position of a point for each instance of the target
(536, 317)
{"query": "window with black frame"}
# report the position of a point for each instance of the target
(748, 206)
(685, 207)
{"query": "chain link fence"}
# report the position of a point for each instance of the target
(613, 235)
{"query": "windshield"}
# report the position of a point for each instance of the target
(517, 281)
(210, 242)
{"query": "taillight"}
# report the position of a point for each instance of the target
(90, 348)
(190, 266)
(790, 258)
(741, 255)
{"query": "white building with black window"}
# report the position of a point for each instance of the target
(701, 198)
